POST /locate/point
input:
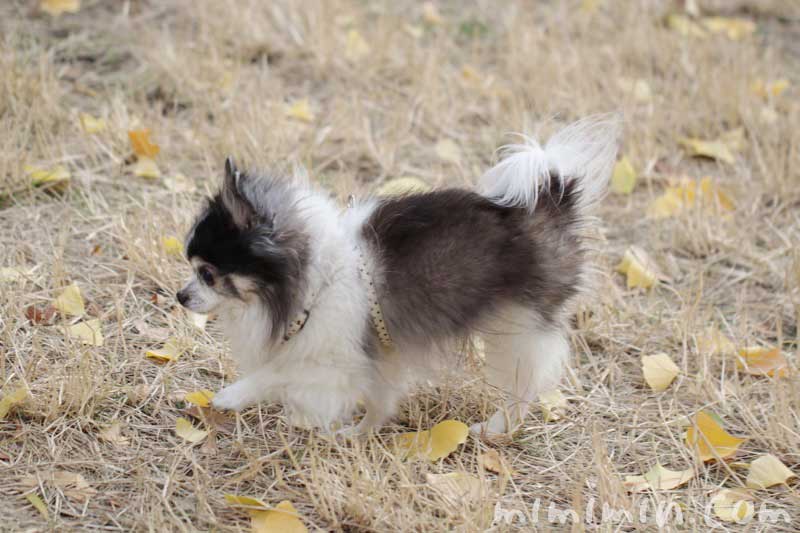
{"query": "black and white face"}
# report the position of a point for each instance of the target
(204, 292)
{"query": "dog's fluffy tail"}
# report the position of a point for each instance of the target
(583, 152)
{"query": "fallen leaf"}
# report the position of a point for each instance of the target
(185, 430)
(145, 167)
(282, 519)
(714, 342)
(448, 150)
(685, 26)
(457, 488)
(12, 399)
(55, 8)
(767, 471)
(356, 47)
(639, 89)
(658, 478)
(152, 332)
(767, 90)
(57, 178)
(90, 124)
(70, 301)
(201, 398)
(216, 420)
(431, 15)
(686, 193)
(761, 361)
(171, 351)
(300, 110)
(713, 149)
(623, 178)
(553, 404)
(172, 246)
(735, 28)
(40, 506)
(89, 332)
(659, 371)
(72, 484)
(141, 143)
(434, 444)
(707, 436)
(245, 501)
(113, 434)
(402, 186)
(733, 505)
(492, 461)
(38, 315)
(589, 6)
(638, 268)
(470, 74)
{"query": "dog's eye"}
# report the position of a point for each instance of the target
(206, 276)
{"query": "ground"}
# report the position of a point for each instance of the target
(394, 89)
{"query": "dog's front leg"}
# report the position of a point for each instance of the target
(249, 390)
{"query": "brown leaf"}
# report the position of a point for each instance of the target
(38, 315)
(494, 462)
(212, 418)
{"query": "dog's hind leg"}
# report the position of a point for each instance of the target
(523, 359)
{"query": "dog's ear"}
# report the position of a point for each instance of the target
(233, 199)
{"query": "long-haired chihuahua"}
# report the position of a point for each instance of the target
(327, 306)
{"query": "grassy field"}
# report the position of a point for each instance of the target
(394, 89)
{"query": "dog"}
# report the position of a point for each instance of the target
(328, 308)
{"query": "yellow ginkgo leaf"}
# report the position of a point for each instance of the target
(710, 440)
(433, 444)
(90, 124)
(57, 178)
(141, 143)
(171, 350)
(623, 178)
(761, 361)
(767, 471)
(658, 478)
(713, 149)
(300, 110)
(172, 246)
(201, 398)
(401, 186)
(457, 488)
(659, 371)
(146, 167)
(638, 268)
(185, 430)
(733, 505)
(767, 90)
(89, 332)
(734, 28)
(470, 74)
(356, 47)
(245, 501)
(667, 205)
(492, 461)
(11, 399)
(57, 7)
(714, 342)
(282, 519)
(639, 89)
(686, 193)
(553, 405)
(431, 15)
(70, 301)
(38, 504)
(683, 25)
(448, 150)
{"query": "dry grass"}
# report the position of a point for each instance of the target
(212, 78)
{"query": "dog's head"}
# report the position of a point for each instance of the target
(247, 247)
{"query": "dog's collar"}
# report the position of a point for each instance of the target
(300, 320)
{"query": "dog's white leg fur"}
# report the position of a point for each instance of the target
(523, 359)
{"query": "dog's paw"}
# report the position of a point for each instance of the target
(496, 426)
(230, 398)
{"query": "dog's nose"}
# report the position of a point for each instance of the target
(182, 298)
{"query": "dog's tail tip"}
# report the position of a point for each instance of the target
(584, 151)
